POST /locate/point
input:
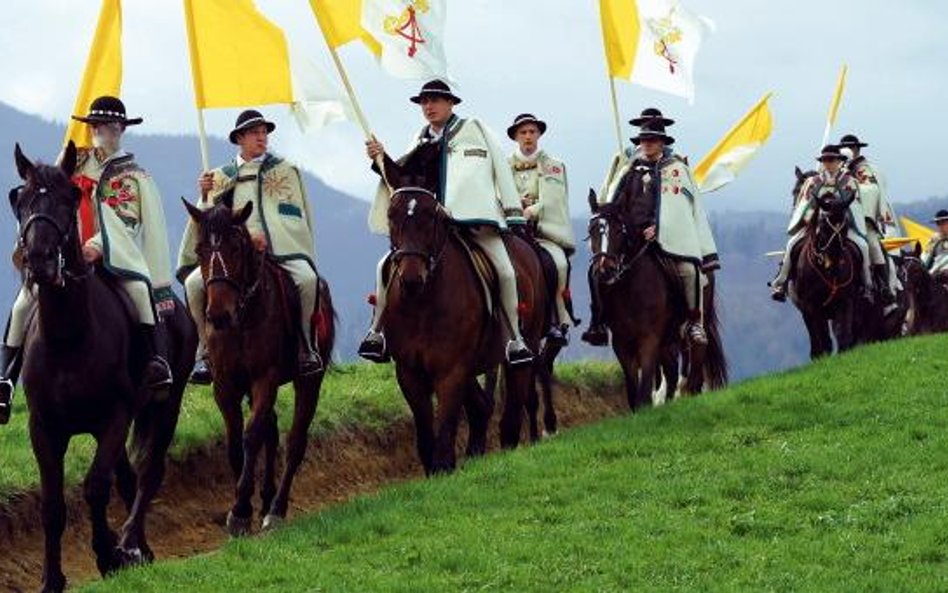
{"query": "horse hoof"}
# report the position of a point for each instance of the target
(129, 557)
(272, 522)
(237, 526)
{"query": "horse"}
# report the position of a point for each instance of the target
(441, 335)
(82, 372)
(252, 341)
(643, 305)
(827, 284)
(927, 297)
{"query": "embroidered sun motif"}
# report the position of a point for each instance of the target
(277, 184)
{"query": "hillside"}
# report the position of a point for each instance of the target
(828, 478)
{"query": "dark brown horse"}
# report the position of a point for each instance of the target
(81, 375)
(252, 341)
(927, 297)
(441, 335)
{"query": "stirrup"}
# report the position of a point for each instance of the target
(778, 294)
(6, 400)
(696, 334)
(311, 363)
(558, 335)
(518, 353)
(201, 373)
(374, 348)
(596, 335)
(166, 379)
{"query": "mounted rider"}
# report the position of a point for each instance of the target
(280, 224)
(670, 212)
(935, 256)
(461, 163)
(122, 228)
(832, 179)
(544, 194)
(880, 216)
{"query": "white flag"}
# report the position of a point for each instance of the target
(317, 100)
(411, 33)
(669, 38)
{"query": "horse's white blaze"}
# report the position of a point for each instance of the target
(411, 206)
(604, 235)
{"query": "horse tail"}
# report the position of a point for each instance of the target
(326, 322)
(715, 363)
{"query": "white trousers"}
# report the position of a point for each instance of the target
(562, 278)
(784, 273)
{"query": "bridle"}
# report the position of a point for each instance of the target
(63, 236)
(219, 274)
(399, 253)
(623, 261)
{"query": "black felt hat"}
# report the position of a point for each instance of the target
(249, 119)
(107, 109)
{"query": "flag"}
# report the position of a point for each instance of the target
(721, 166)
(103, 75)
(837, 96)
(653, 43)
(411, 36)
(916, 231)
(341, 23)
(240, 59)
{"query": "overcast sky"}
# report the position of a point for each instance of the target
(546, 56)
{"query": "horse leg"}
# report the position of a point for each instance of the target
(229, 405)
(451, 393)
(262, 398)
(126, 481)
(545, 372)
(306, 399)
(820, 342)
(844, 329)
(479, 408)
(630, 370)
(417, 391)
(517, 381)
(97, 488)
(533, 409)
(271, 444)
(50, 450)
(669, 364)
(648, 362)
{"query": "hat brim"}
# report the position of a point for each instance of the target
(668, 140)
(512, 130)
(831, 157)
(443, 94)
(233, 134)
(97, 119)
(940, 219)
(853, 144)
(639, 121)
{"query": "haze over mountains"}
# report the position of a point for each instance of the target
(760, 336)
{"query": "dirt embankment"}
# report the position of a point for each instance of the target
(188, 516)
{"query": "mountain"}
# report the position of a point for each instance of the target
(760, 336)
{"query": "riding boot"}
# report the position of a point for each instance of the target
(157, 374)
(695, 329)
(558, 335)
(10, 362)
(881, 277)
(310, 362)
(597, 334)
(201, 373)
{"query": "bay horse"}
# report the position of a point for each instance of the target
(927, 297)
(441, 334)
(643, 305)
(82, 372)
(252, 341)
(828, 280)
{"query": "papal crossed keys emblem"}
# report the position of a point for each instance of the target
(668, 34)
(405, 25)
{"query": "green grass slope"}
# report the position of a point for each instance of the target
(828, 478)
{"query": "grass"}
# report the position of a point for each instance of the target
(353, 396)
(828, 478)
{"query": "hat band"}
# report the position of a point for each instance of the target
(526, 120)
(435, 92)
(108, 113)
(252, 122)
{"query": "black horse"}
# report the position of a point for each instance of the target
(927, 297)
(81, 373)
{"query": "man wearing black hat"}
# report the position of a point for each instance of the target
(280, 223)
(670, 213)
(122, 227)
(832, 179)
(878, 211)
(461, 162)
(544, 195)
(935, 256)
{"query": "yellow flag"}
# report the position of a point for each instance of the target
(720, 166)
(837, 96)
(916, 231)
(620, 33)
(341, 23)
(891, 243)
(103, 75)
(238, 57)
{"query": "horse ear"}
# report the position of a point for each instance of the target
(799, 173)
(244, 214)
(68, 161)
(23, 165)
(917, 251)
(593, 201)
(197, 215)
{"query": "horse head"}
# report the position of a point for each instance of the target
(418, 229)
(46, 207)
(801, 177)
(613, 240)
(227, 258)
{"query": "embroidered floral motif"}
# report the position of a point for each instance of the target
(278, 185)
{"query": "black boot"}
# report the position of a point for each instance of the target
(10, 362)
(597, 334)
(157, 373)
(558, 335)
(881, 276)
(310, 362)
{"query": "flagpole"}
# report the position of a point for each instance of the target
(615, 111)
(202, 135)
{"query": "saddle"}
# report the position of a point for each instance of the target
(551, 276)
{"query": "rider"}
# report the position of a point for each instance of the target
(672, 214)
(878, 211)
(544, 195)
(461, 162)
(122, 227)
(831, 179)
(279, 224)
(935, 257)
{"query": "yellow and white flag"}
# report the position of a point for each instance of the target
(411, 36)
(721, 166)
(103, 75)
(653, 43)
(917, 231)
(341, 23)
(835, 103)
(240, 59)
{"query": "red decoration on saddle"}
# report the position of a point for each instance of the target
(522, 308)
(372, 299)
